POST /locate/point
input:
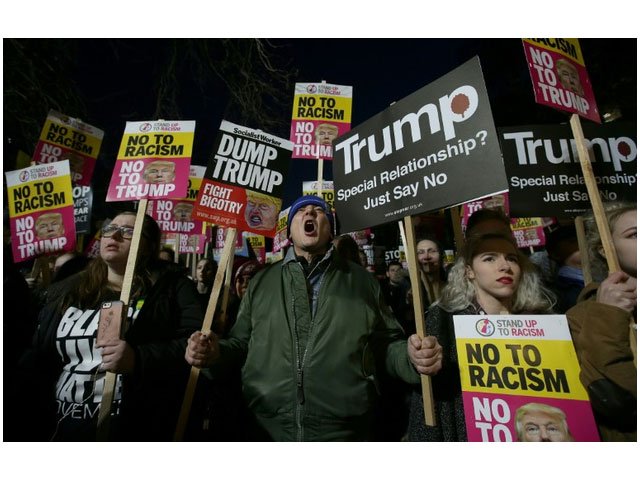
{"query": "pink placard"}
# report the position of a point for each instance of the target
(492, 418)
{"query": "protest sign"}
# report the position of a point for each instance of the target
(176, 216)
(170, 240)
(153, 161)
(40, 205)
(196, 174)
(191, 243)
(397, 254)
(326, 189)
(528, 232)
(244, 180)
(544, 172)
(559, 76)
(257, 244)
(498, 202)
(66, 138)
(435, 148)
(512, 363)
(280, 239)
(239, 249)
(82, 204)
(577, 99)
(321, 113)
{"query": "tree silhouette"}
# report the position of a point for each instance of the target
(107, 82)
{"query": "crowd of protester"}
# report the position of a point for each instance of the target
(310, 348)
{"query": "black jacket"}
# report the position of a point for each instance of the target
(153, 393)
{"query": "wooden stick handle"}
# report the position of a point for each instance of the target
(108, 391)
(185, 410)
(320, 175)
(225, 296)
(227, 250)
(594, 195)
(598, 212)
(418, 311)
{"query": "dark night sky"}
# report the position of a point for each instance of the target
(386, 70)
(116, 77)
(381, 71)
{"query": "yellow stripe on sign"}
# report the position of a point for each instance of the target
(568, 47)
(67, 137)
(194, 187)
(39, 195)
(522, 223)
(195, 182)
(174, 144)
(544, 368)
(322, 107)
(256, 240)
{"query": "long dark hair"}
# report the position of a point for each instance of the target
(93, 286)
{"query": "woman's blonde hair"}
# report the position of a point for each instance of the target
(612, 212)
(460, 293)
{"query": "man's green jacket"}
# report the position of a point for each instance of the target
(311, 378)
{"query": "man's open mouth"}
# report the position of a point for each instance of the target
(309, 226)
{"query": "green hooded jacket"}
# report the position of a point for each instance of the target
(313, 378)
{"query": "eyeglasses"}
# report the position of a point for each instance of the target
(110, 231)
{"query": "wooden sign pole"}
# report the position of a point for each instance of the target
(594, 195)
(320, 174)
(104, 414)
(225, 295)
(320, 164)
(598, 212)
(418, 310)
(229, 245)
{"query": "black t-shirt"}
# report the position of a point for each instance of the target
(80, 385)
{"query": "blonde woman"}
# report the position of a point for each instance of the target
(491, 277)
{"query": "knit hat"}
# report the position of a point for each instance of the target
(310, 200)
